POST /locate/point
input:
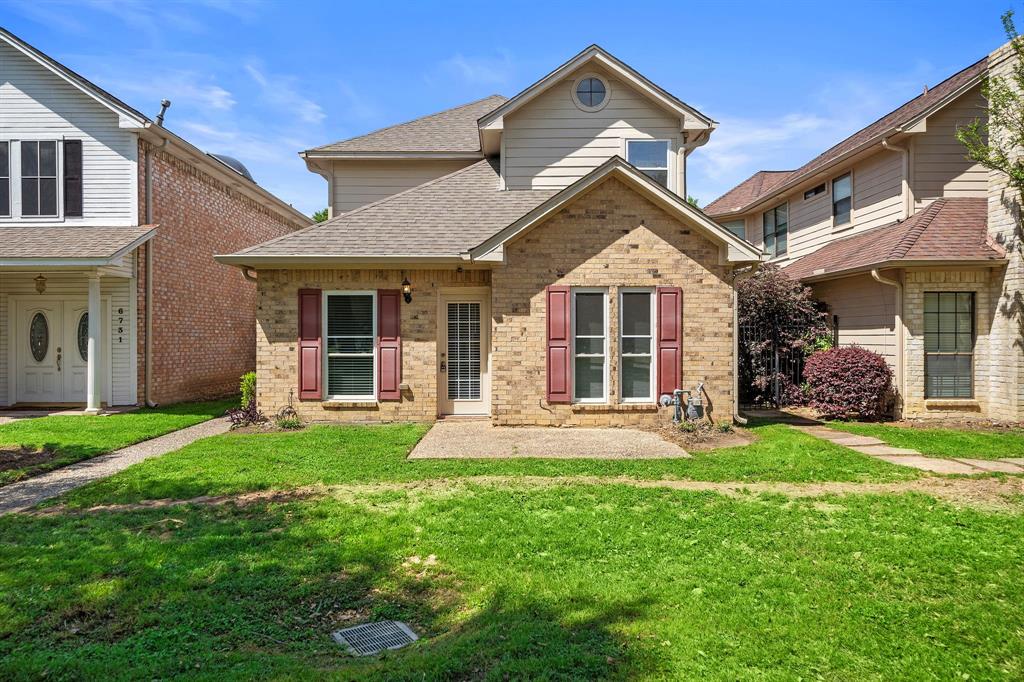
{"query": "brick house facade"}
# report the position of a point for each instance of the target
(203, 312)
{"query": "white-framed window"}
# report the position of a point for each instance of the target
(5, 179)
(842, 200)
(636, 345)
(39, 173)
(817, 190)
(776, 230)
(737, 227)
(652, 158)
(590, 345)
(350, 334)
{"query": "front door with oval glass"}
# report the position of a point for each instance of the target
(51, 351)
(463, 344)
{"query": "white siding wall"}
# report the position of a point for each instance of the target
(867, 313)
(940, 168)
(75, 285)
(35, 104)
(357, 183)
(550, 142)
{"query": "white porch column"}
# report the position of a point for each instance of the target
(95, 361)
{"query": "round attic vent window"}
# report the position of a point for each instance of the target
(590, 93)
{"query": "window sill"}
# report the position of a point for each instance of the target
(349, 404)
(615, 407)
(963, 404)
(842, 228)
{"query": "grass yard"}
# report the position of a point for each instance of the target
(523, 577)
(234, 463)
(566, 582)
(46, 443)
(943, 442)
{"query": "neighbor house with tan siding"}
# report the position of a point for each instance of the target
(109, 294)
(532, 260)
(912, 247)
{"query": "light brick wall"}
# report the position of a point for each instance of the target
(277, 330)
(1006, 381)
(612, 237)
(988, 354)
(203, 312)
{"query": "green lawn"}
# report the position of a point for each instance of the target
(74, 438)
(944, 442)
(510, 578)
(570, 582)
(234, 463)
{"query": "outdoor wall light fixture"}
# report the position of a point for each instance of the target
(407, 290)
(40, 284)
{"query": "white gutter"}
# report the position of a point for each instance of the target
(905, 191)
(900, 333)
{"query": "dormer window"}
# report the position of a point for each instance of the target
(590, 93)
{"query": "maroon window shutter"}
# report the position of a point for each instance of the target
(310, 329)
(670, 339)
(389, 344)
(559, 324)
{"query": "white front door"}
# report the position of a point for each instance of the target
(38, 349)
(463, 342)
(51, 351)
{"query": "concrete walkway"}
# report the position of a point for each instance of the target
(24, 494)
(912, 458)
(472, 439)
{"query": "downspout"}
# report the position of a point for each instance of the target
(905, 172)
(900, 335)
(736, 279)
(249, 274)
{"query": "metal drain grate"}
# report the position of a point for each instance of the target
(373, 638)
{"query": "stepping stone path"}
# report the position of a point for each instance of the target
(912, 458)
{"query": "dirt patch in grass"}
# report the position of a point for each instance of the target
(703, 436)
(24, 457)
(991, 492)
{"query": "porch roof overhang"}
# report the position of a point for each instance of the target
(69, 247)
(950, 264)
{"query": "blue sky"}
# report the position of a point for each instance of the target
(263, 80)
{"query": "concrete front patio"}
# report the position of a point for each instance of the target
(479, 439)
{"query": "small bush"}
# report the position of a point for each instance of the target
(289, 423)
(247, 386)
(848, 381)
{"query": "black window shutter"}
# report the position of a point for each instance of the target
(73, 178)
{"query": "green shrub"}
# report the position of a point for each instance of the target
(248, 388)
(289, 423)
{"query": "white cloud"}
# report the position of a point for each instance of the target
(280, 92)
(180, 86)
(480, 70)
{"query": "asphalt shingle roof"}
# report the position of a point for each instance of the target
(444, 217)
(452, 130)
(949, 229)
(754, 189)
(67, 242)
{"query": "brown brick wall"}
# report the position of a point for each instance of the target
(277, 331)
(203, 312)
(611, 237)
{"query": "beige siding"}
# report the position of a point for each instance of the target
(118, 291)
(37, 105)
(940, 168)
(360, 182)
(866, 311)
(550, 142)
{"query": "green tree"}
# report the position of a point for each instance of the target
(320, 215)
(692, 201)
(1005, 95)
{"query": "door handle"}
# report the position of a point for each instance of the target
(58, 359)
(444, 366)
